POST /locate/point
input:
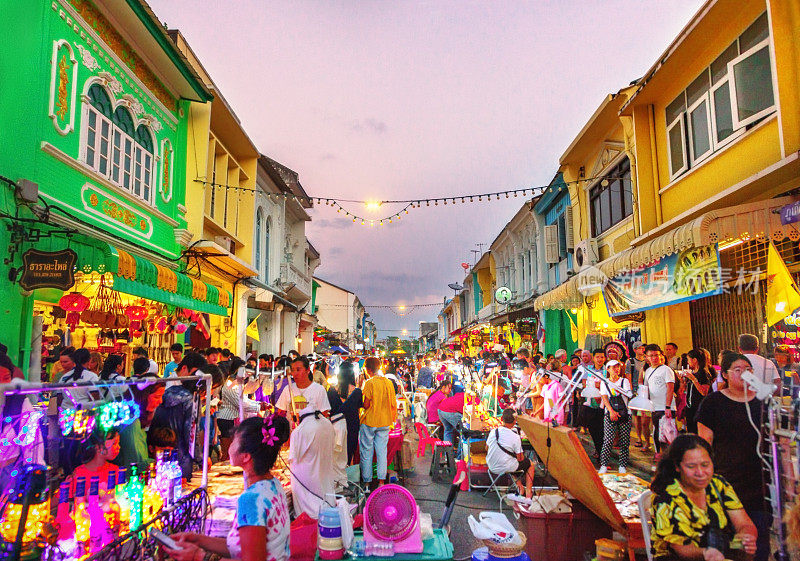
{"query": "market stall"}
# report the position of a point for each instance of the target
(54, 512)
(611, 497)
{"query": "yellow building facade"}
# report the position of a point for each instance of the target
(703, 150)
(220, 204)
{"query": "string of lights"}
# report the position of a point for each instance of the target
(400, 307)
(374, 205)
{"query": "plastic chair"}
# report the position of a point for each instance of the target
(425, 439)
(645, 514)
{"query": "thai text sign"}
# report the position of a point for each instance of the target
(790, 213)
(48, 269)
(678, 277)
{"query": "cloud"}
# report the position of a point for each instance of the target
(369, 125)
(335, 224)
(336, 250)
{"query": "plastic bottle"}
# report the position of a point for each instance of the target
(135, 494)
(64, 522)
(177, 477)
(121, 496)
(100, 533)
(81, 516)
(110, 505)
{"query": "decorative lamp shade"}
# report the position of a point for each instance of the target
(181, 328)
(31, 482)
(136, 313)
(590, 392)
(73, 302)
(641, 402)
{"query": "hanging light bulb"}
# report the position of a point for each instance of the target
(470, 200)
(515, 194)
(428, 203)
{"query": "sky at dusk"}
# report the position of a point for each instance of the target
(388, 100)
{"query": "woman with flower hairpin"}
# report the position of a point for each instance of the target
(260, 531)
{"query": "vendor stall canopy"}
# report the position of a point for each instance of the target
(138, 276)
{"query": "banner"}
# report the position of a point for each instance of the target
(679, 277)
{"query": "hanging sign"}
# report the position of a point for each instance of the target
(526, 326)
(790, 213)
(679, 277)
(48, 269)
(503, 295)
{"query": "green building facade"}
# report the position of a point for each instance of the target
(94, 113)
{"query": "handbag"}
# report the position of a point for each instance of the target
(618, 404)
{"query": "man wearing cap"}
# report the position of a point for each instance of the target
(634, 372)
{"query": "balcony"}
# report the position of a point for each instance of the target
(487, 311)
(295, 283)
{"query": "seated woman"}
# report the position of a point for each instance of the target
(432, 405)
(695, 513)
(260, 529)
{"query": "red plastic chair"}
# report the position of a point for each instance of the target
(425, 439)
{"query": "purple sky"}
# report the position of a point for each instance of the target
(385, 100)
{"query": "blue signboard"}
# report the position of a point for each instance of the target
(679, 277)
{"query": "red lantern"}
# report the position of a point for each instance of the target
(73, 303)
(136, 315)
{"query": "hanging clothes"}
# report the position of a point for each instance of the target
(311, 452)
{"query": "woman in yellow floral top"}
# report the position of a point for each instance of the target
(692, 506)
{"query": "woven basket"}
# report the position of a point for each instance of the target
(505, 550)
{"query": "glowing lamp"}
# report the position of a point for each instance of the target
(641, 402)
(28, 500)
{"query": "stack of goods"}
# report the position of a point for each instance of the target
(330, 542)
(624, 490)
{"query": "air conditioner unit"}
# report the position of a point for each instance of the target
(225, 243)
(586, 254)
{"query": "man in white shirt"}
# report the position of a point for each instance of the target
(505, 453)
(302, 392)
(142, 352)
(660, 381)
(764, 369)
(671, 357)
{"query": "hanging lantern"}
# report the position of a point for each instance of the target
(181, 328)
(136, 315)
(73, 303)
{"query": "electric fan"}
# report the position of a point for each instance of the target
(392, 515)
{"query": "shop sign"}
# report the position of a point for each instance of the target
(503, 295)
(679, 277)
(526, 326)
(790, 213)
(48, 269)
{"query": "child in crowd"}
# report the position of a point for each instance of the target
(103, 447)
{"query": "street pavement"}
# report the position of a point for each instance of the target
(431, 495)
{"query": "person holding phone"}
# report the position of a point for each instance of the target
(260, 528)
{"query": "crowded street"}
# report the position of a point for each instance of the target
(429, 281)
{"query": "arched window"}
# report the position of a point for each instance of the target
(143, 158)
(98, 129)
(114, 147)
(259, 222)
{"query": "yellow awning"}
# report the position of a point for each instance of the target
(758, 221)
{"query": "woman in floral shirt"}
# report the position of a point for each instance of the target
(692, 506)
(260, 531)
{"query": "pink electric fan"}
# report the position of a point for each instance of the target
(392, 515)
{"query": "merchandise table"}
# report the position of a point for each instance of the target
(611, 497)
(437, 548)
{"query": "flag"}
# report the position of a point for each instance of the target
(252, 329)
(782, 295)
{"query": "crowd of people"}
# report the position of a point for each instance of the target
(339, 411)
(706, 404)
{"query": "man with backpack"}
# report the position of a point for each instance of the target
(505, 455)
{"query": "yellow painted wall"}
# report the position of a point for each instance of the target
(744, 157)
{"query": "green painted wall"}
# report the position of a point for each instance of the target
(42, 112)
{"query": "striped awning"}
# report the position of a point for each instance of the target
(138, 276)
